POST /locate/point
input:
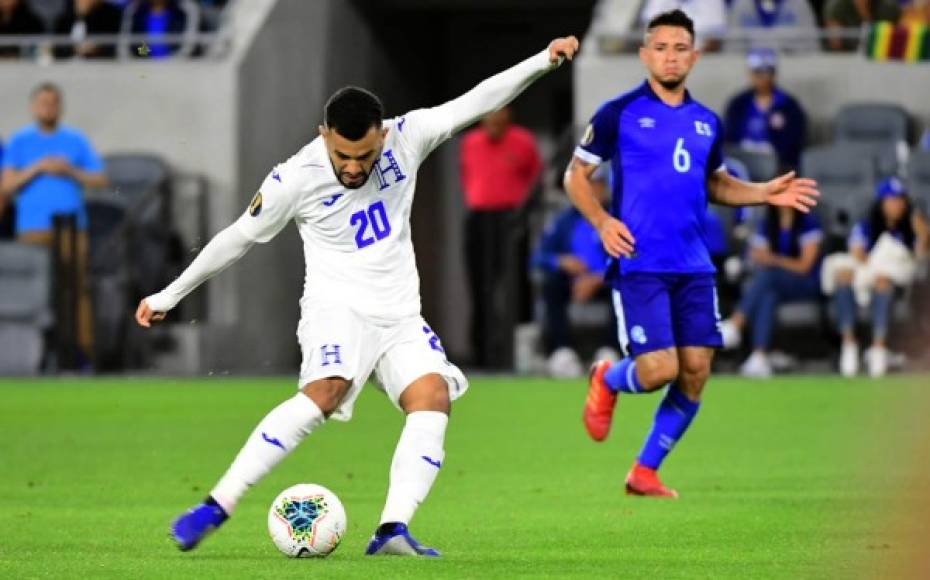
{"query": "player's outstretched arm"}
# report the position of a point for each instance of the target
(787, 190)
(617, 239)
(498, 90)
(221, 252)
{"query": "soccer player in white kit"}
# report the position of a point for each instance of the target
(350, 192)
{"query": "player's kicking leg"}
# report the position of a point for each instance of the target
(417, 461)
(644, 374)
(673, 417)
(273, 439)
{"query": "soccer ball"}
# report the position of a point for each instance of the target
(306, 521)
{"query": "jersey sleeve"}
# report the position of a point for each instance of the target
(859, 236)
(810, 231)
(759, 239)
(12, 155)
(88, 159)
(715, 157)
(599, 141)
(271, 208)
(423, 130)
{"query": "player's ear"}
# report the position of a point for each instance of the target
(384, 132)
(322, 130)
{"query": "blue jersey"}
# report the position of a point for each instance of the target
(661, 157)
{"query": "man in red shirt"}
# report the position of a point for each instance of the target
(499, 165)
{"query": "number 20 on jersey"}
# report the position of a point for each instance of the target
(372, 223)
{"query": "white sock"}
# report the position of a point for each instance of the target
(416, 463)
(277, 434)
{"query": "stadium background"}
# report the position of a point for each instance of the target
(810, 476)
(220, 121)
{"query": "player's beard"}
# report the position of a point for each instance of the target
(671, 84)
(362, 182)
(358, 185)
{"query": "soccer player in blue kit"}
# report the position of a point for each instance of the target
(665, 151)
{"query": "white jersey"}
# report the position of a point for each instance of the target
(357, 242)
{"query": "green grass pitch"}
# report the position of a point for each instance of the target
(791, 478)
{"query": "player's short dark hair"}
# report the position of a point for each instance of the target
(352, 111)
(674, 17)
(45, 87)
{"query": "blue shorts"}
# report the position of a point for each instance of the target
(659, 311)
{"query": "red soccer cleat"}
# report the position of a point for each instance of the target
(599, 406)
(644, 481)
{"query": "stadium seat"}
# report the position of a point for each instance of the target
(846, 186)
(919, 179)
(871, 122)
(880, 129)
(136, 175)
(25, 310)
(761, 166)
(110, 276)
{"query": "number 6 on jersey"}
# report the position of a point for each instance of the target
(681, 159)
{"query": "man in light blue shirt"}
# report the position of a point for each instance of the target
(46, 167)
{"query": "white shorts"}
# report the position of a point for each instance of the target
(335, 341)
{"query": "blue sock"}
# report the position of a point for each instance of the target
(674, 415)
(621, 377)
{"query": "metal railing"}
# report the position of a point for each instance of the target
(43, 49)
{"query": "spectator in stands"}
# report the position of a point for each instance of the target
(883, 252)
(158, 18)
(709, 16)
(764, 117)
(572, 261)
(7, 221)
(840, 14)
(46, 167)
(86, 18)
(788, 24)
(785, 251)
(17, 19)
(499, 164)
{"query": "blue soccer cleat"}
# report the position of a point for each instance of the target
(190, 528)
(393, 539)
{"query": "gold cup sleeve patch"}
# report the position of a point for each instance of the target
(255, 207)
(588, 136)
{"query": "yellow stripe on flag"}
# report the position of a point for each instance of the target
(882, 40)
(915, 36)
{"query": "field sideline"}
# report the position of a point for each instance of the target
(795, 477)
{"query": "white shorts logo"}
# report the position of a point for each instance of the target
(638, 335)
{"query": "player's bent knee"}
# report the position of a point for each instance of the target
(327, 393)
(428, 393)
(656, 369)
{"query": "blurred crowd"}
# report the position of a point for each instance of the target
(75, 24)
(794, 25)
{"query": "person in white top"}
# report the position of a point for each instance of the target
(350, 193)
